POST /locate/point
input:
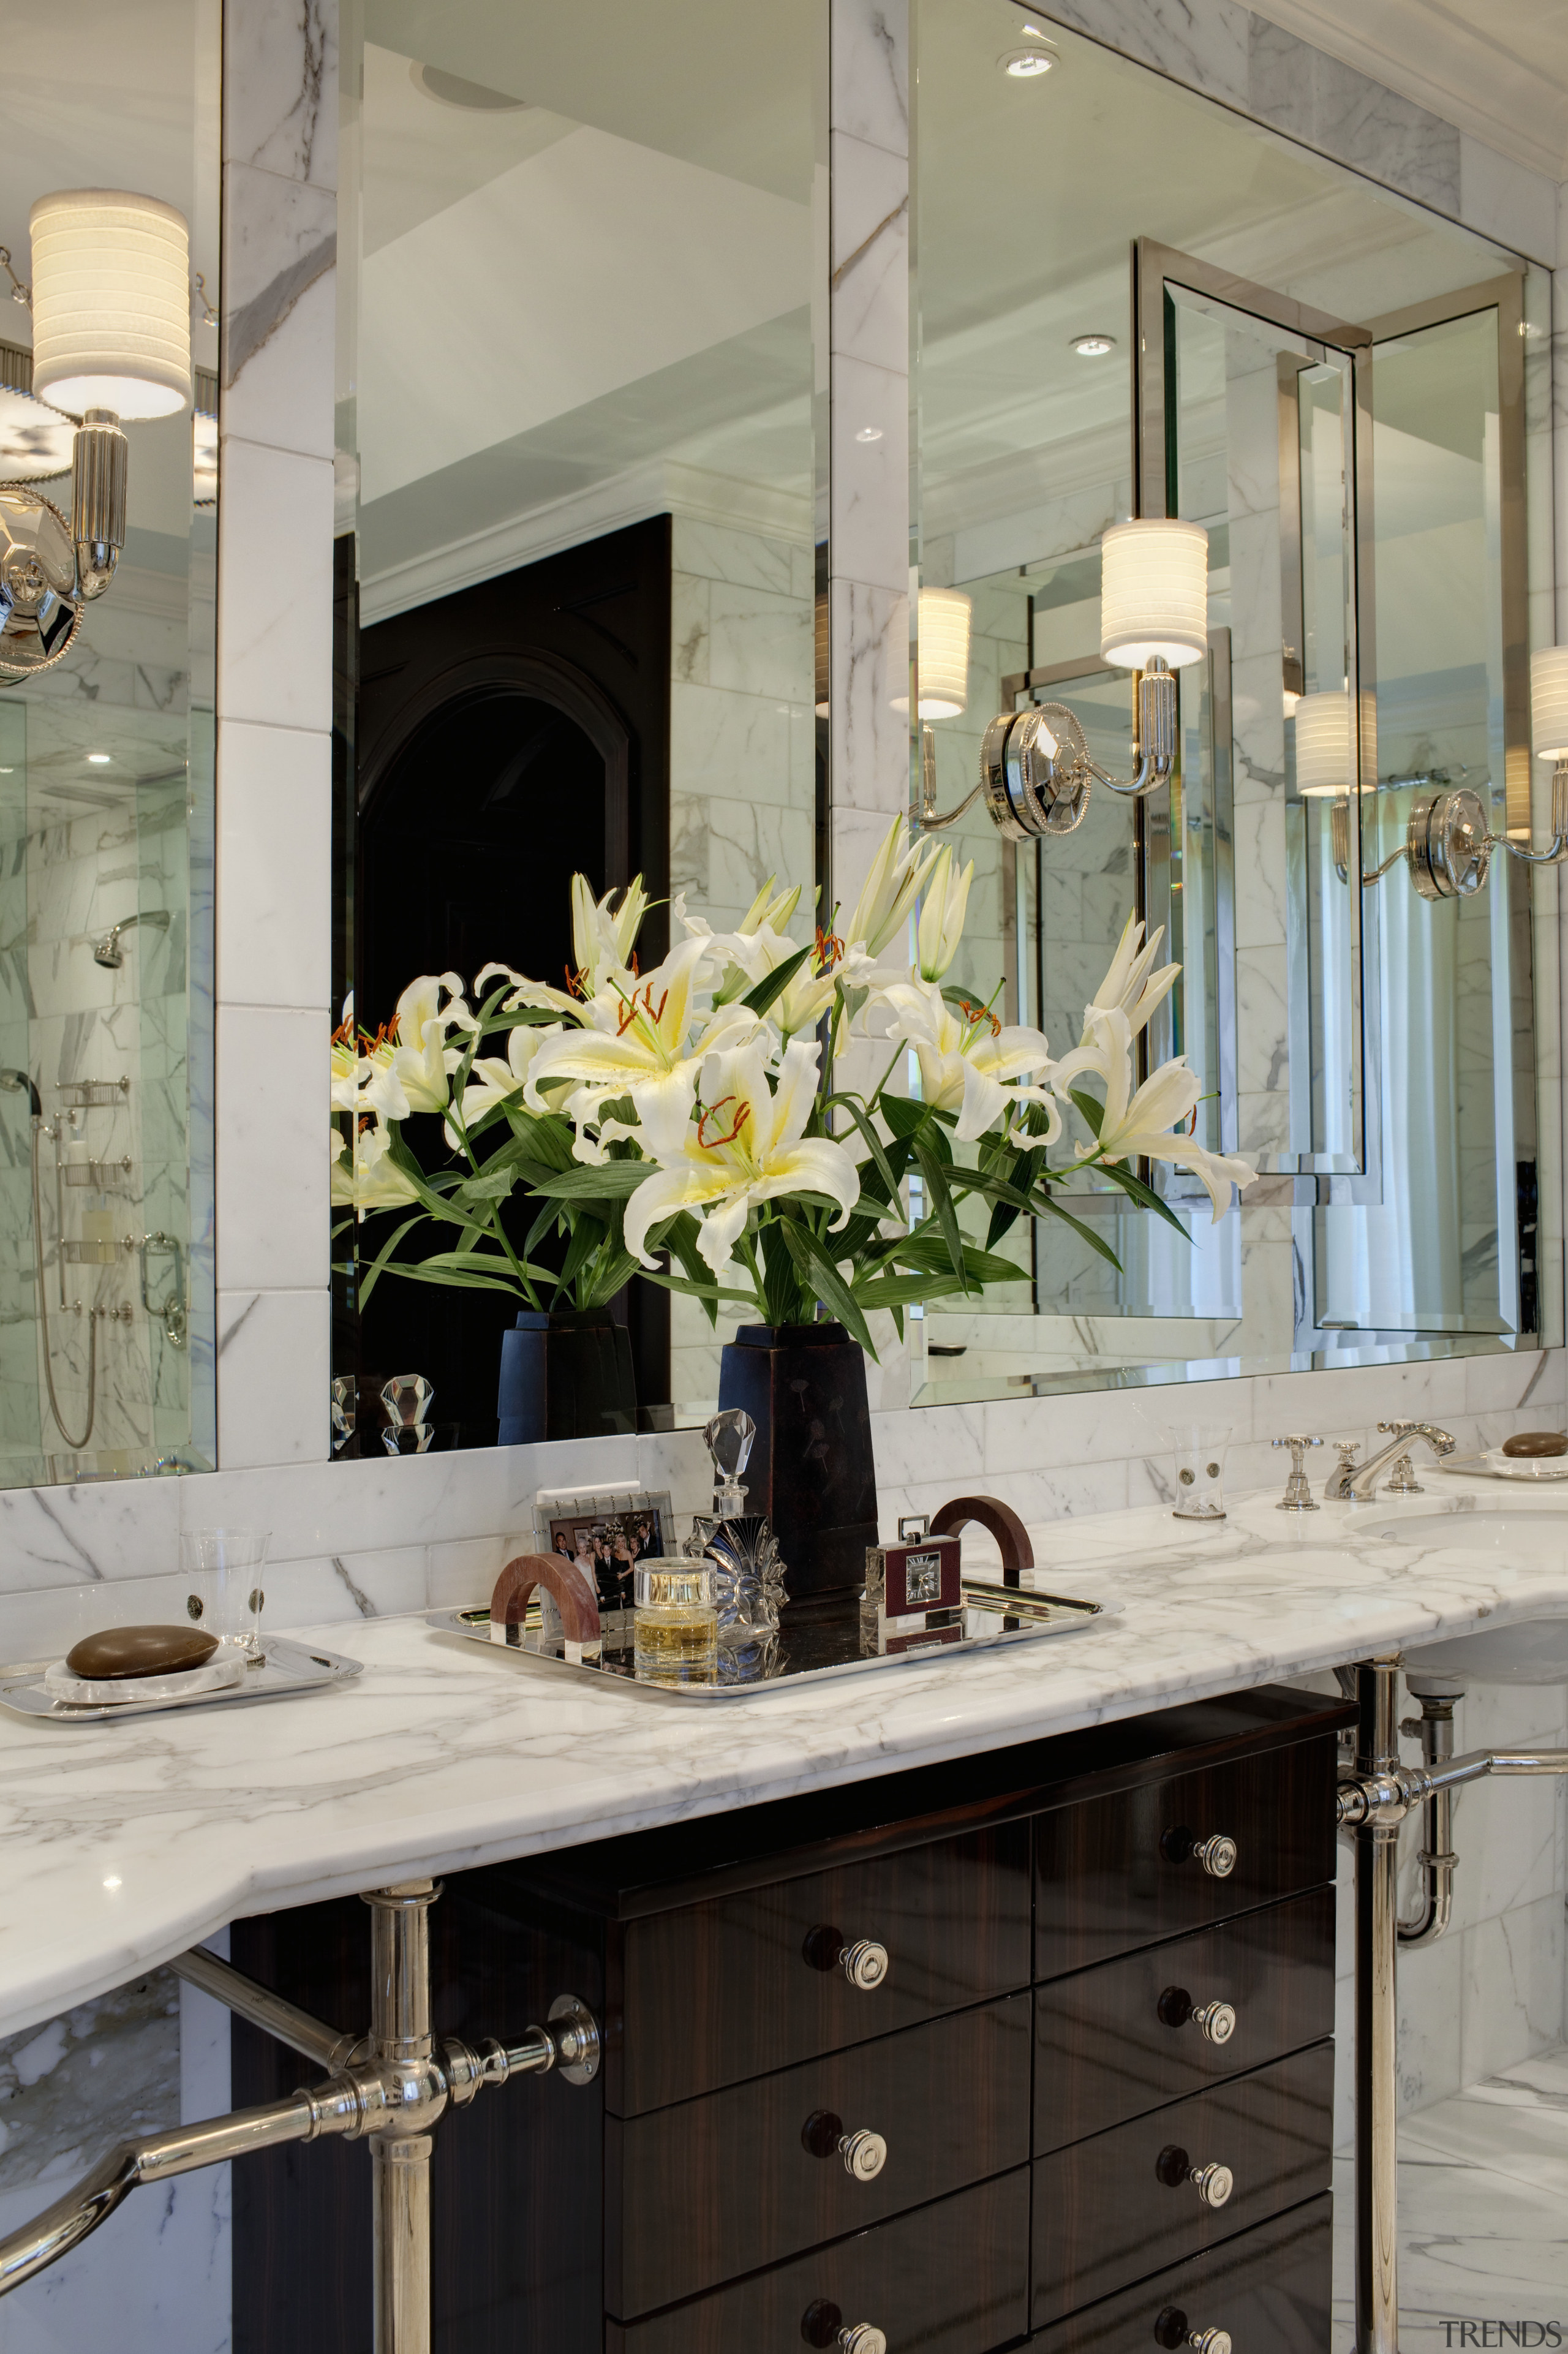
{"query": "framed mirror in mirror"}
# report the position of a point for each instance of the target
(109, 292)
(1349, 398)
(581, 632)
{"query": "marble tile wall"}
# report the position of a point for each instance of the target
(274, 710)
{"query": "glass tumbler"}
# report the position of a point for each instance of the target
(1198, 1463)
(224, 1594)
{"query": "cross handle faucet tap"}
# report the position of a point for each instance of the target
(1349, 1484)
(1297, 1496)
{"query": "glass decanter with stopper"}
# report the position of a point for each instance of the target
(748, 1573)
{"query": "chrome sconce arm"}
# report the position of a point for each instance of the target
(1036, 769)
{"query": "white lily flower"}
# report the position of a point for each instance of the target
(422, 1060)
(1127, 987)
(747, 1147)
(943, 896)
(754, 955)
(493, 1080)
(603, 937)
(347, 1069)
(969, 1062)
(646, 1039)
(1137, 1123)
(369, 1181)
(889, 890)
(768, 911)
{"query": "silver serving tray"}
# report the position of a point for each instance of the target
(809, 1654)
(285, 1667)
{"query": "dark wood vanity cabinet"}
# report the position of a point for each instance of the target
(1090, 2004)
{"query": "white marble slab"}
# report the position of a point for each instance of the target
(126, 1843)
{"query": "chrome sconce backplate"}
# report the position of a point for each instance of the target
(1035, 772)
(1447, 845)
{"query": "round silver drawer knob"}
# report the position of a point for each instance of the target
(1217, 1855)
(1215, 2020)
(864, 1964)
(1210, 2341)
(861, 2338)
(865, 2153)
(1214, 2184)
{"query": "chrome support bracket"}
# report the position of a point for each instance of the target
(391, 2086)
(1373, 1801)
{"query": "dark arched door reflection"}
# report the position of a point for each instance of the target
(468, 837)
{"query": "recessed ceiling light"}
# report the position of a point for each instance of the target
(869, 433)
(100, 759)
(1028, 65)
(1092, 347)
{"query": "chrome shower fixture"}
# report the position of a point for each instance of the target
(17, 1083)
(108, 950)
(1036, 766)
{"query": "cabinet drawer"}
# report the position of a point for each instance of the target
(700, 2193)
(1116, 1873)
(1271, 2289)
(1117, 2040)
(1118, 2207)
(952, 2278)
(712, 1994)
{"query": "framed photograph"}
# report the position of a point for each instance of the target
(609, 1531)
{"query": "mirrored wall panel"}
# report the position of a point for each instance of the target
(582, 434)
(109, 289)
(1350, 398)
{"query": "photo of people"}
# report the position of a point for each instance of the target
(609, 1545)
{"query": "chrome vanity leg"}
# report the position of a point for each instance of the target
(1377, 2076)
(400, 2158)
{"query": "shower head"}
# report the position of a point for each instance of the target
(108, 950)
(16, 1083)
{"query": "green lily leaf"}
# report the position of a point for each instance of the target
(1090, 1110)
(1144, 1195)
(605, 1181)
(835, 1295)
(768, 990)
(941, 1200)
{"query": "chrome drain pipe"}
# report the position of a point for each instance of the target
(1434, 1728)
(1373, 1801)
(391, 2086)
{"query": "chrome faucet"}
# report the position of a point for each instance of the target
(1350, 1483)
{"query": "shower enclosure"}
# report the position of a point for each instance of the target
(106, 1310)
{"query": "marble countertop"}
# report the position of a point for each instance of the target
(124, 1844)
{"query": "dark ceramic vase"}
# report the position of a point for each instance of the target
(811, 1469)
(565, 1375)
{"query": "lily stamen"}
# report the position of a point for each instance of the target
(830, 948)
(711, 1111)
(977, 1014)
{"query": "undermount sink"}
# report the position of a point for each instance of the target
(1525, 1652)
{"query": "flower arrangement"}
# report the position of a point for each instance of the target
(692, 1111)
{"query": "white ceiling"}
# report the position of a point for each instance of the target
(1497, 68)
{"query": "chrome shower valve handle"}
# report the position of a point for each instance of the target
(1297, 1496)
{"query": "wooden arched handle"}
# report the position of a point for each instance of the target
(562, 1580)
(989, 1513)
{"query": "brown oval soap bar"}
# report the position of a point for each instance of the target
(1536, 1442)
(141, 1651)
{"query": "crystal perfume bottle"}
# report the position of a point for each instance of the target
(748, 1572)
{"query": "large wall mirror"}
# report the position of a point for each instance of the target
(109, 292)
(581, 437)
(1132, 302)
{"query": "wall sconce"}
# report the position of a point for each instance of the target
(1035, 768)
(112, 339)
(1448, 843)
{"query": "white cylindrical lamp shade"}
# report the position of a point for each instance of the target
(1325, 756)
(112, 304)
(942, 651)
(1549, 702)
(1154, 593)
